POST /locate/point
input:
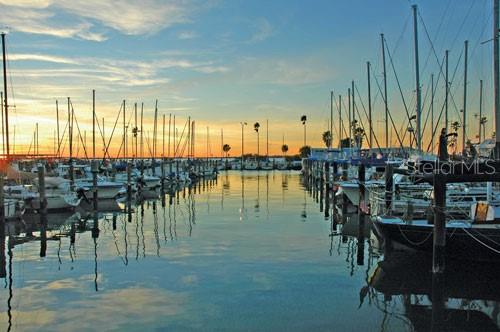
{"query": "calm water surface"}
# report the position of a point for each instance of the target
(250, 252)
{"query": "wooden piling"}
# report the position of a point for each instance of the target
(42, 210)
(41, 190)
(439, 240)
(361, 215)
(129, 182)
(389, 172)
(2, 204)
(3, 270)
(162, 174)
(327, 175)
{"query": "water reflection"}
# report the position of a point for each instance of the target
(184, 262)
(401, 285)
(465, 298)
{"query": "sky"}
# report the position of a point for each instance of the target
(227, 62)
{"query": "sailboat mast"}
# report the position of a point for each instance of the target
(169, 123)
(385, 93)
(370, 122)
(350, 116)
(267, 138)
(155, 130)
(189, 137)
(496, 76)
(432, 113)
(6, 104)
(70, 132)
(135, 130)
(331, 119)
(175, 145)
(446, 89)
(340, 121)
(417, 80)
(192, 138)
(1, 108)
(163, 139)
(57, 119)
(353, 104)
(36, 145)
(142, 131)
(480, 108)
(124, 132)
(103, 140)
(464, 121)
(93, 124)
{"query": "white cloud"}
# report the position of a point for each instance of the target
(36, 21)
(40, 57)
(126, 16)
(121, 72)
(187, 35)
(212, 69)
(27, 3)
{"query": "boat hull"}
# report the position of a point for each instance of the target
(462, 240)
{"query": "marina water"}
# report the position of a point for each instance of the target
(248, 251)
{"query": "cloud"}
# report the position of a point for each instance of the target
(81, 19)
(40, 57)
(187, 35)
(212, 69)
(27, 3)
(264, 30)
(41, 22)
(117, 71)
(128, 16)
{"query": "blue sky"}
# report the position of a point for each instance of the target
(223, 62)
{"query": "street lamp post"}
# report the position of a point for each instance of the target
(242, 146)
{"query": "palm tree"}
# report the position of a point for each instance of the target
(226, 148)
(327, 139)
(305, 151)
(256, 127)
(454, 126)
(303, 118)
(284, 148)
(358, 132)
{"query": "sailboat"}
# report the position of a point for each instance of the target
(476, 237)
